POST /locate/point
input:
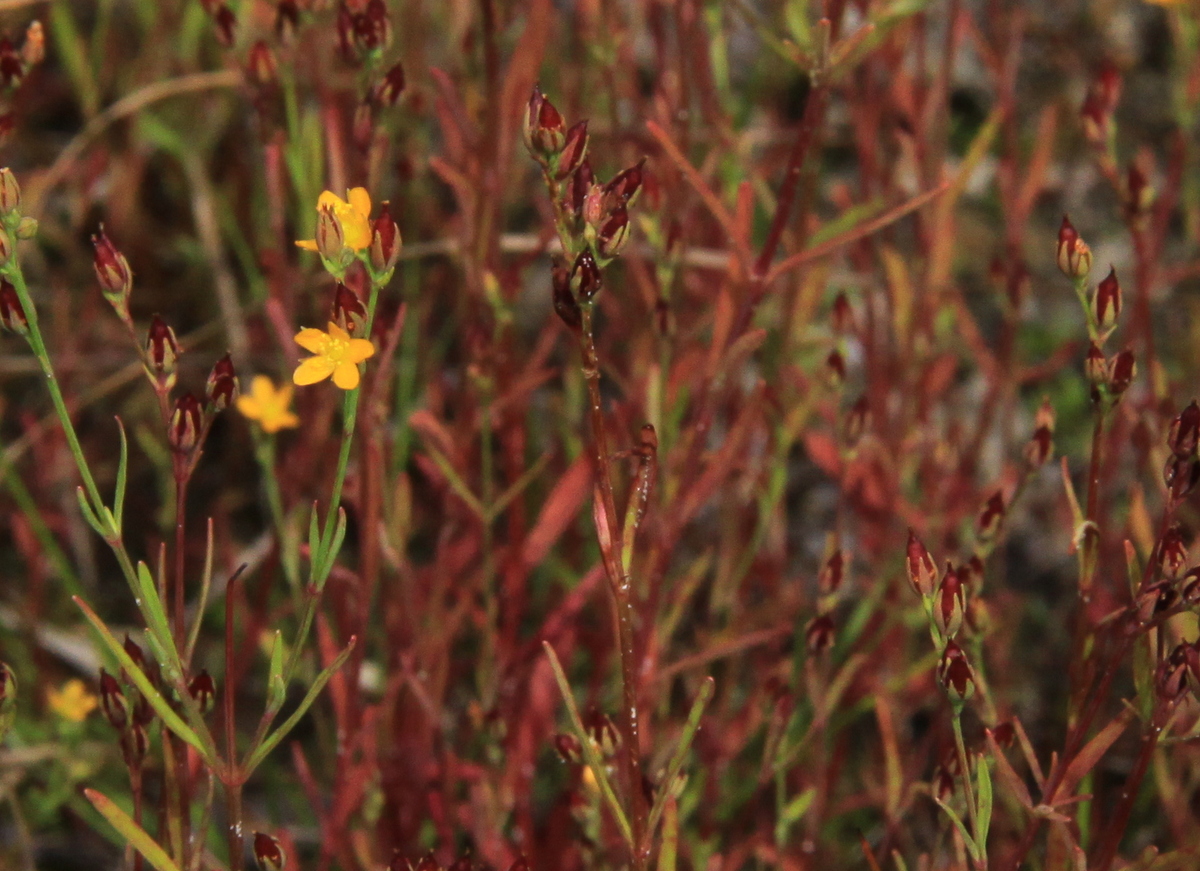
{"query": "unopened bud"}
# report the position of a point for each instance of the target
(819, 634)
(1172, 552)
(112, 271)
(262, 65)
(569, 748)
(112, 701)
(626, 184)
(204, 690)
(10, 192)
(348, 311)
(922, 570)
(187, 422)
(1122, 369)
(990, 517)
(545, 131)
(1074, 256)
(12, 314)
(162, 351)
(578, 187)
(225, 25)
(1039, 447)
(949, 603)
(1100, 103)
(565, 304)
(331, 237)
(287, 19)
(135, 744)
(388, 89)
(586, 279)
(385, 243)
(603, 732)
(614, 234)
(1184, 433)
(832, 573)
(1095, 367)
(268, 854)
(1106, 303)
(955, 674)
(221, 389)
(573, 152)
(1137, 195)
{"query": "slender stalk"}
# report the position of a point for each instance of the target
(621, 586)
(1115, 830)
(234, 778)
(968, 787)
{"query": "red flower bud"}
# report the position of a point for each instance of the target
(348, 311)
(10, 192)
(1184, 433)
(1136, 193)
(922, 571)
(225, 23)
(385, 243)
(578, 186)
(949, 603)
(569, 748)
(565, 304)
(1122, 369)
(614, 234)
(626, 184)
(221, 388)
(112, 701)
(990, 517)
(388, 89)
(545, 131)
(261, 64)
(135, 743)
(1039, 447)
(1074, 256)
(586, 279)
(204, 690)
(12, 315)
(187, 423)
(287, 19)
(832, 573)
(162, 351)
(1172, 552)
(1100, 104)
(1095, 367)
(603, 732)
(268, 853)
(819, 634)
(955, 674)
(112, 269)
(1106, 303)
(573, 152)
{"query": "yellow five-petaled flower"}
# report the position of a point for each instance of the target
(353, 213)
(336, 354)
(73, 702)
(268, 406)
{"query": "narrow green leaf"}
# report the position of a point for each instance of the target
(131, 831)
(457, 484)
(276, 686)
(703, 697)
(962, 829)
(160, 705)
(984, 793)
(798, 806)
(314, 538)
(90, 516)
(589, 748)
(271, 741)
(118, 511)
(155, 615)
(670, 837)
(339, 535)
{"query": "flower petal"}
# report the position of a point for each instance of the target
(283, 420)
(328, 199)
(262, 389)
(360, 201)
(249, 407)
(312, 339)
(337, 333)
(359, 350)
(307, 244)
(346, 375)
(312, 370)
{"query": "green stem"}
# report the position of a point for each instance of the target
(968, 787)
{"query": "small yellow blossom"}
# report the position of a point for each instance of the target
(337, 355)
(73, 701)
(353, 213)
(268, 406)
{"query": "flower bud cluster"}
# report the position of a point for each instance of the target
(364, 31)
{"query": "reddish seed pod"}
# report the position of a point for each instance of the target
(573, 152)
(204, 690)
(586, 279)
(568, 748)
(578, 187)
(626, 184)
(565, 304)
(1181, 475)
(1095, 367)
(388, 90)
(832, 573)
(603, 732)
(385, 243)
(1172, 674)
(135, 743)
(112, 269)
(614, 234)
(1172, 552)
(1004, 734)
(348, 311)
(225, 23)
(987, 524)
(1122, 369)
(262, 65)
(1039, 448)
(162, 350)
(545, 131)
(287, 19)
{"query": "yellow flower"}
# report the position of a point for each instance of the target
(268, 406)
(73, 702)
(353, 213)
(337, 355)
